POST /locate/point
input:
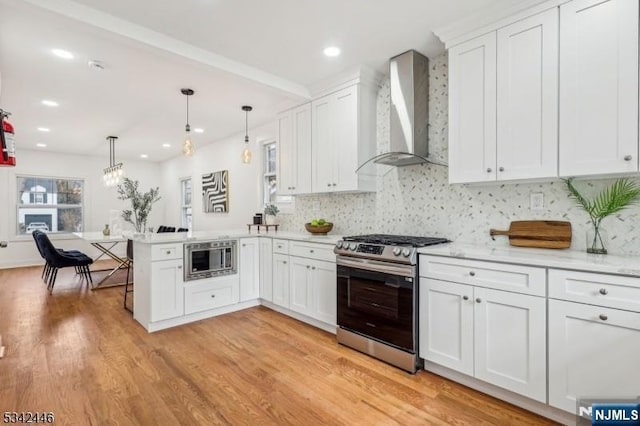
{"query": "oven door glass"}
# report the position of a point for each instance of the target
(378, 305)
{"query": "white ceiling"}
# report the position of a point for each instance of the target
(232, 52)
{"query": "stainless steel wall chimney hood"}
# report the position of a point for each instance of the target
(409, 126)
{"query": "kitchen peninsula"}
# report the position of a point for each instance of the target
(257, 270)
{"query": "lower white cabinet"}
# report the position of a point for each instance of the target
(313, 288)
(266, 269)
(166, 290)
(493, 335)
(281, 280)
(300, 285)
(202, 295)
(249, 269)
(593, 353)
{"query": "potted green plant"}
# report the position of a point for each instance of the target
(270, 212)
(140, 203)
(620, 195)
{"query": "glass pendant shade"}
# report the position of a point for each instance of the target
(246, 156)
(187, 146)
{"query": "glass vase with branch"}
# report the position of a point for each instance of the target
(141, 204)
(619, 196)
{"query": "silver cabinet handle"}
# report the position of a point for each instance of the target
(180, 267)
(168, 251)
(328, 184)
(335, 184)
(603, 317)
(285, 262)
(473, 274)
(310, 251)
(244, 245)
(213, 296)
(478, 300)
(465, 297)
(604, 291)
(313, 268)
(501, 169)
(489, 169)
(627, 158)
(308, 266)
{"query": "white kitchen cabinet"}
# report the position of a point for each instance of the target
(294, 151)
(527, 98)
(166, 290)
(343, 137)
(249, 269)
(503, 103)
(472, 110)
(281, 280)
(324, 292)
(598, 87)
(593, 353)
(300, 285)
(446, 324)
(211, 293)
(266, 269)
(493, 335)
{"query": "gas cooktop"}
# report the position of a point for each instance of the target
(388, 248)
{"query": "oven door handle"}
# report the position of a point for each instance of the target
(377, 266)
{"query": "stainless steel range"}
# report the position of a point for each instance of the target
(378, 296)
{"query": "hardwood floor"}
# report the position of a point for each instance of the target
(80, 355)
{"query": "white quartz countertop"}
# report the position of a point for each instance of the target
(183, 237)
(563, 259)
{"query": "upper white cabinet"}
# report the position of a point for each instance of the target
(598, 87)
(503, 103)
(472, 110)
(527, 75)
(294, 151)
(343, 137)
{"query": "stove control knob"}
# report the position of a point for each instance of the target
(406, 252)
(339, 245)
(345, 245)
(353, 246)
(397, 251)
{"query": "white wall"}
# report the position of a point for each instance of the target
(245, 188)
(99, 201)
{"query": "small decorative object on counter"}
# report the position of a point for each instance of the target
(620, 195)
(106, 231)
(257, 219)
(319, 226)
(270, 212)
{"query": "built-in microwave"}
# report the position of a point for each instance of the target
(209, 259)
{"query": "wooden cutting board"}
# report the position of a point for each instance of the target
(553, 234)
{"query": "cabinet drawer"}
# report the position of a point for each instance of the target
(166, 251)
(500, 276)
(211, 294)
(312, 251)
(281, 246)
(612, 291)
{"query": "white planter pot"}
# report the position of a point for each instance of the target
(269, 220)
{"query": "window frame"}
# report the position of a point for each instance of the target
(24, 235)
(183, 205)
(285, 203)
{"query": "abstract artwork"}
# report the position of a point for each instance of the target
(215, 195)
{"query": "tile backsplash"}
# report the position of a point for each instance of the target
(418, 200)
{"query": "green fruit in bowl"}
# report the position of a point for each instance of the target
(315, 222)
(321, 221)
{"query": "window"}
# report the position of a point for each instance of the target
(269, 181)
(49, 204)
(185, 185)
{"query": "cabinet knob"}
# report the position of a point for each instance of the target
(335, 184)
(168, 251)
(465, 297)
(604, 291)
(501, 169)
(627, 158)
(285, 262)
(308, 266)
(473, 274)
(489, 169)
(213, 296)
(310, 251)
(244, 245)
(293, 187)
(478, 300)
(180, 267)
(313, 268)
(603, 317)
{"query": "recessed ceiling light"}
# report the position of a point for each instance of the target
(41, 145)
(62, 53)
(144, 156)
(331, 51)
(49, 103)
(166, 145)
(198, 130)
(44, 129)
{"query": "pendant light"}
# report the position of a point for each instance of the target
(187, 145)
(113, 174)
(246, 153)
